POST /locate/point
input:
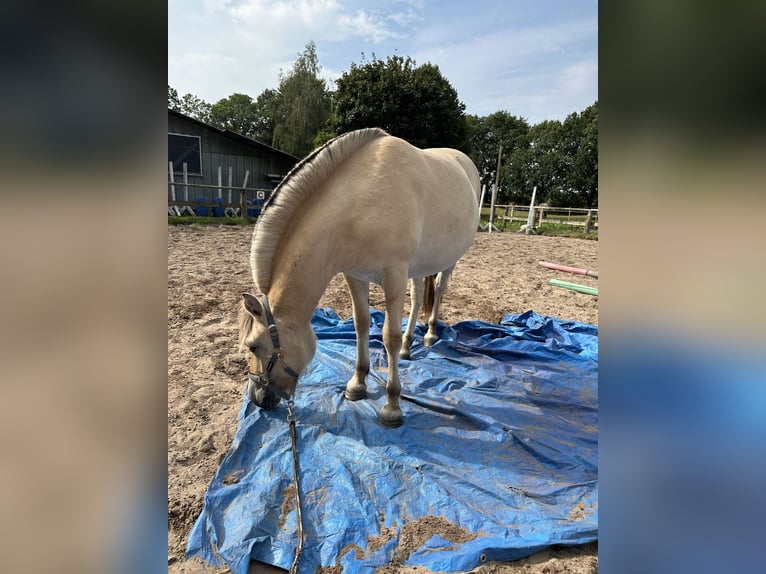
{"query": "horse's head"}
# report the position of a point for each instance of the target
(278, 352)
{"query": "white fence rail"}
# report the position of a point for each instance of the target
(573, 216)
(240, 199)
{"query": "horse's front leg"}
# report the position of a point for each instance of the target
(440, 285)
(395, 289)
(416, 299)
(356, 388)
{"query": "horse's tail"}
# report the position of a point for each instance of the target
(429, 295)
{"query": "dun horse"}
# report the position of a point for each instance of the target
(376, 209)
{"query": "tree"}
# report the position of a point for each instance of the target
(302, 105)
(413, 102)
(584, 162)
(537, 161)
(196, 107)
(189, 104)
(265, 116)
(174, 102)
(560, 158)
(485, 135)
(237, 113)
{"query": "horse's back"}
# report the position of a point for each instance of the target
(465, 162)
(396, 200)
(390, 174)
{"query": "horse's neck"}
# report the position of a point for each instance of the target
(301, 272)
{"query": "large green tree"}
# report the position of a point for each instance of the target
(560, 158)
(302, 105)
(537, 161)
(485, 136)
(188, 104)
(583, 172)
(265, 116)
(237, 113)
(413, 102)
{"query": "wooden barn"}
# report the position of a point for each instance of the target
(243, 162)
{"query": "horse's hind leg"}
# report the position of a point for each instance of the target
(356, 388)
(440, 285)
(416, 297)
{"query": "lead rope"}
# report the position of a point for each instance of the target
(291, 420)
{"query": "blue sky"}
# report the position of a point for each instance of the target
(537, 59)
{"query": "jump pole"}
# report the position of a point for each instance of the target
(575, 270)
(574, 287)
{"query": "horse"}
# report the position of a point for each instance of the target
(376, 209)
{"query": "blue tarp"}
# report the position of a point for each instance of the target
(498, 449)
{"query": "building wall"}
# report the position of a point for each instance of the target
(220, 150)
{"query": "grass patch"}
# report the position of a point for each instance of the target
(562, 230)
(551, 229)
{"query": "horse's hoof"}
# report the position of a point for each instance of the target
(355, 395)
(391, 419)
(405, 355)
(391, 424)
(430, 340)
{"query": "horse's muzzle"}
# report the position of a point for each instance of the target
(262, 392)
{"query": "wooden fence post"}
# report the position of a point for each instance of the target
(529, 228)
(219, 184)
(172, 181)
(491, 223)
(186, 180)
(588, 221)
(243, 203)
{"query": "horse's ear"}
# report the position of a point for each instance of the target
(252, 305)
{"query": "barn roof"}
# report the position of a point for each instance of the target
(235, 136)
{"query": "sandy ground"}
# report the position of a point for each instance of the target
(208, 270)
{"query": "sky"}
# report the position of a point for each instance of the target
(536, 59)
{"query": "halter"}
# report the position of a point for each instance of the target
(264, 379)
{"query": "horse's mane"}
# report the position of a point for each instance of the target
(297, 185)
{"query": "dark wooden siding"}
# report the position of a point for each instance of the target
(222, 150)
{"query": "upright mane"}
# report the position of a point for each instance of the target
(297, 185)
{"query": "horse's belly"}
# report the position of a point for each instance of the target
(431, 258)
(375, 277)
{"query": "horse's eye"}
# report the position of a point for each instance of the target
(252, 349)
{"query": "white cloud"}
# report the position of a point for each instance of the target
(580, 77)
(497, 57)
(226, 46)
(544, 70)
(321, 19)
(369, 26)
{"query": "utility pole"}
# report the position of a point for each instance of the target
(494, 191)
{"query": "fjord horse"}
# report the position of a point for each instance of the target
(376, 209)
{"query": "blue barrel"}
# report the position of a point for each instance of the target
(254, 211)
(201, 210)
(218, 211)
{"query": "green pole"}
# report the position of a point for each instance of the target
(574, 287)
